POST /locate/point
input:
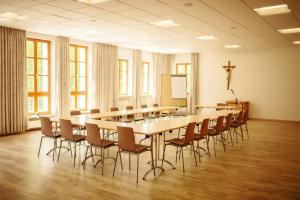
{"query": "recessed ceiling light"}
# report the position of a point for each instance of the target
(290, 30)
(273, 10)
(297, 42)
(13, 16)
(206, 37)
(92, 2)
(232, 46)
(165, 23)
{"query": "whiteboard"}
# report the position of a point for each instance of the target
(178, 86)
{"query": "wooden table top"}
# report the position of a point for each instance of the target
(220, 107)
(131, 112)
(149, 128)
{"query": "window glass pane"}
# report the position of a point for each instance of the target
(72, 102)
(42, 83)
(72, 68)
(180, 69)
(81, 84)
(123, 77)
(30, 83)
(30, 104)
(81, 69)
(29, 48)
(42, 67)
(42, 50)
(81, 101)
(42, 104)
(123, 89)
(81, 54)
(188, 69)
(30, 66)
(72, 53)
(72, 84)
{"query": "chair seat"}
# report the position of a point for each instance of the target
(78, 138)
(198, 137)
(212, 132)
(178, 141)
(235, 125)
(105, 143)
(141, 148)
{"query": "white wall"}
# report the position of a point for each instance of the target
(270, 80)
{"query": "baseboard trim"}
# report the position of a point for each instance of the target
(275, 120)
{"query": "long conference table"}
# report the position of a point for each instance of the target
(151, 129)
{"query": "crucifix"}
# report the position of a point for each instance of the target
(228, 69)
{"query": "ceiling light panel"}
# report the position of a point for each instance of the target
(206, 37)
(92, 2)
(13, 16)
(289, 30)
(273, 10)
(165, 23)
(296, 42)
(232, 46)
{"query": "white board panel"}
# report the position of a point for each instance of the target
(178, 86)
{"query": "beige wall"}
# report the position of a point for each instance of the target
(270, 80)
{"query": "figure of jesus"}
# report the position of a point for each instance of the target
(228, 69)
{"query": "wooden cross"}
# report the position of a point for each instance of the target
(228, 69)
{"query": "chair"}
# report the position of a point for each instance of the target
(116, 118)
(227, 126)
(47, 132)
(94, 140)
(202, 136)
(216, 131)
(188, 140)
(95, 110)
(66, 131)
(145, 115)
(238, 124)
(126, 144)
(129, 118)
(245, 119)
(75, 112)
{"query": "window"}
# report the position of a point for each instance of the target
(78, 71)
(185, 69)
(146, 78)
(38, 75)
(123, 77)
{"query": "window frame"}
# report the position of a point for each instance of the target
(185, 72)
(75, 93)
(119, 78)
(148, 80)
(37, 94)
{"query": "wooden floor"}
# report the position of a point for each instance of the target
(267, 166)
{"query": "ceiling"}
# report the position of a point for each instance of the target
(127, 23)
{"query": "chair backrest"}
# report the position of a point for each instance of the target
(93, 134)
(66, 129)
(144, 106)
(112, 109)
(219, 125)
(95, 110)
(228, 121)
(46, 127)
(75, 112)
(126, 140)
(245, 118)
(204, 127)
(220, 104)
(240, 117)
(189, 133)
(155, 105)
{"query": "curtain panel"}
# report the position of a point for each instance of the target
(194, 97)
(13, 81)
(104, 74)
(63, 75)
(137, 77)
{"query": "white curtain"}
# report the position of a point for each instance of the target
(63, 76)
(194, 87)
(13, 81)
(105, 60)
(137, 77)
(162, 65)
